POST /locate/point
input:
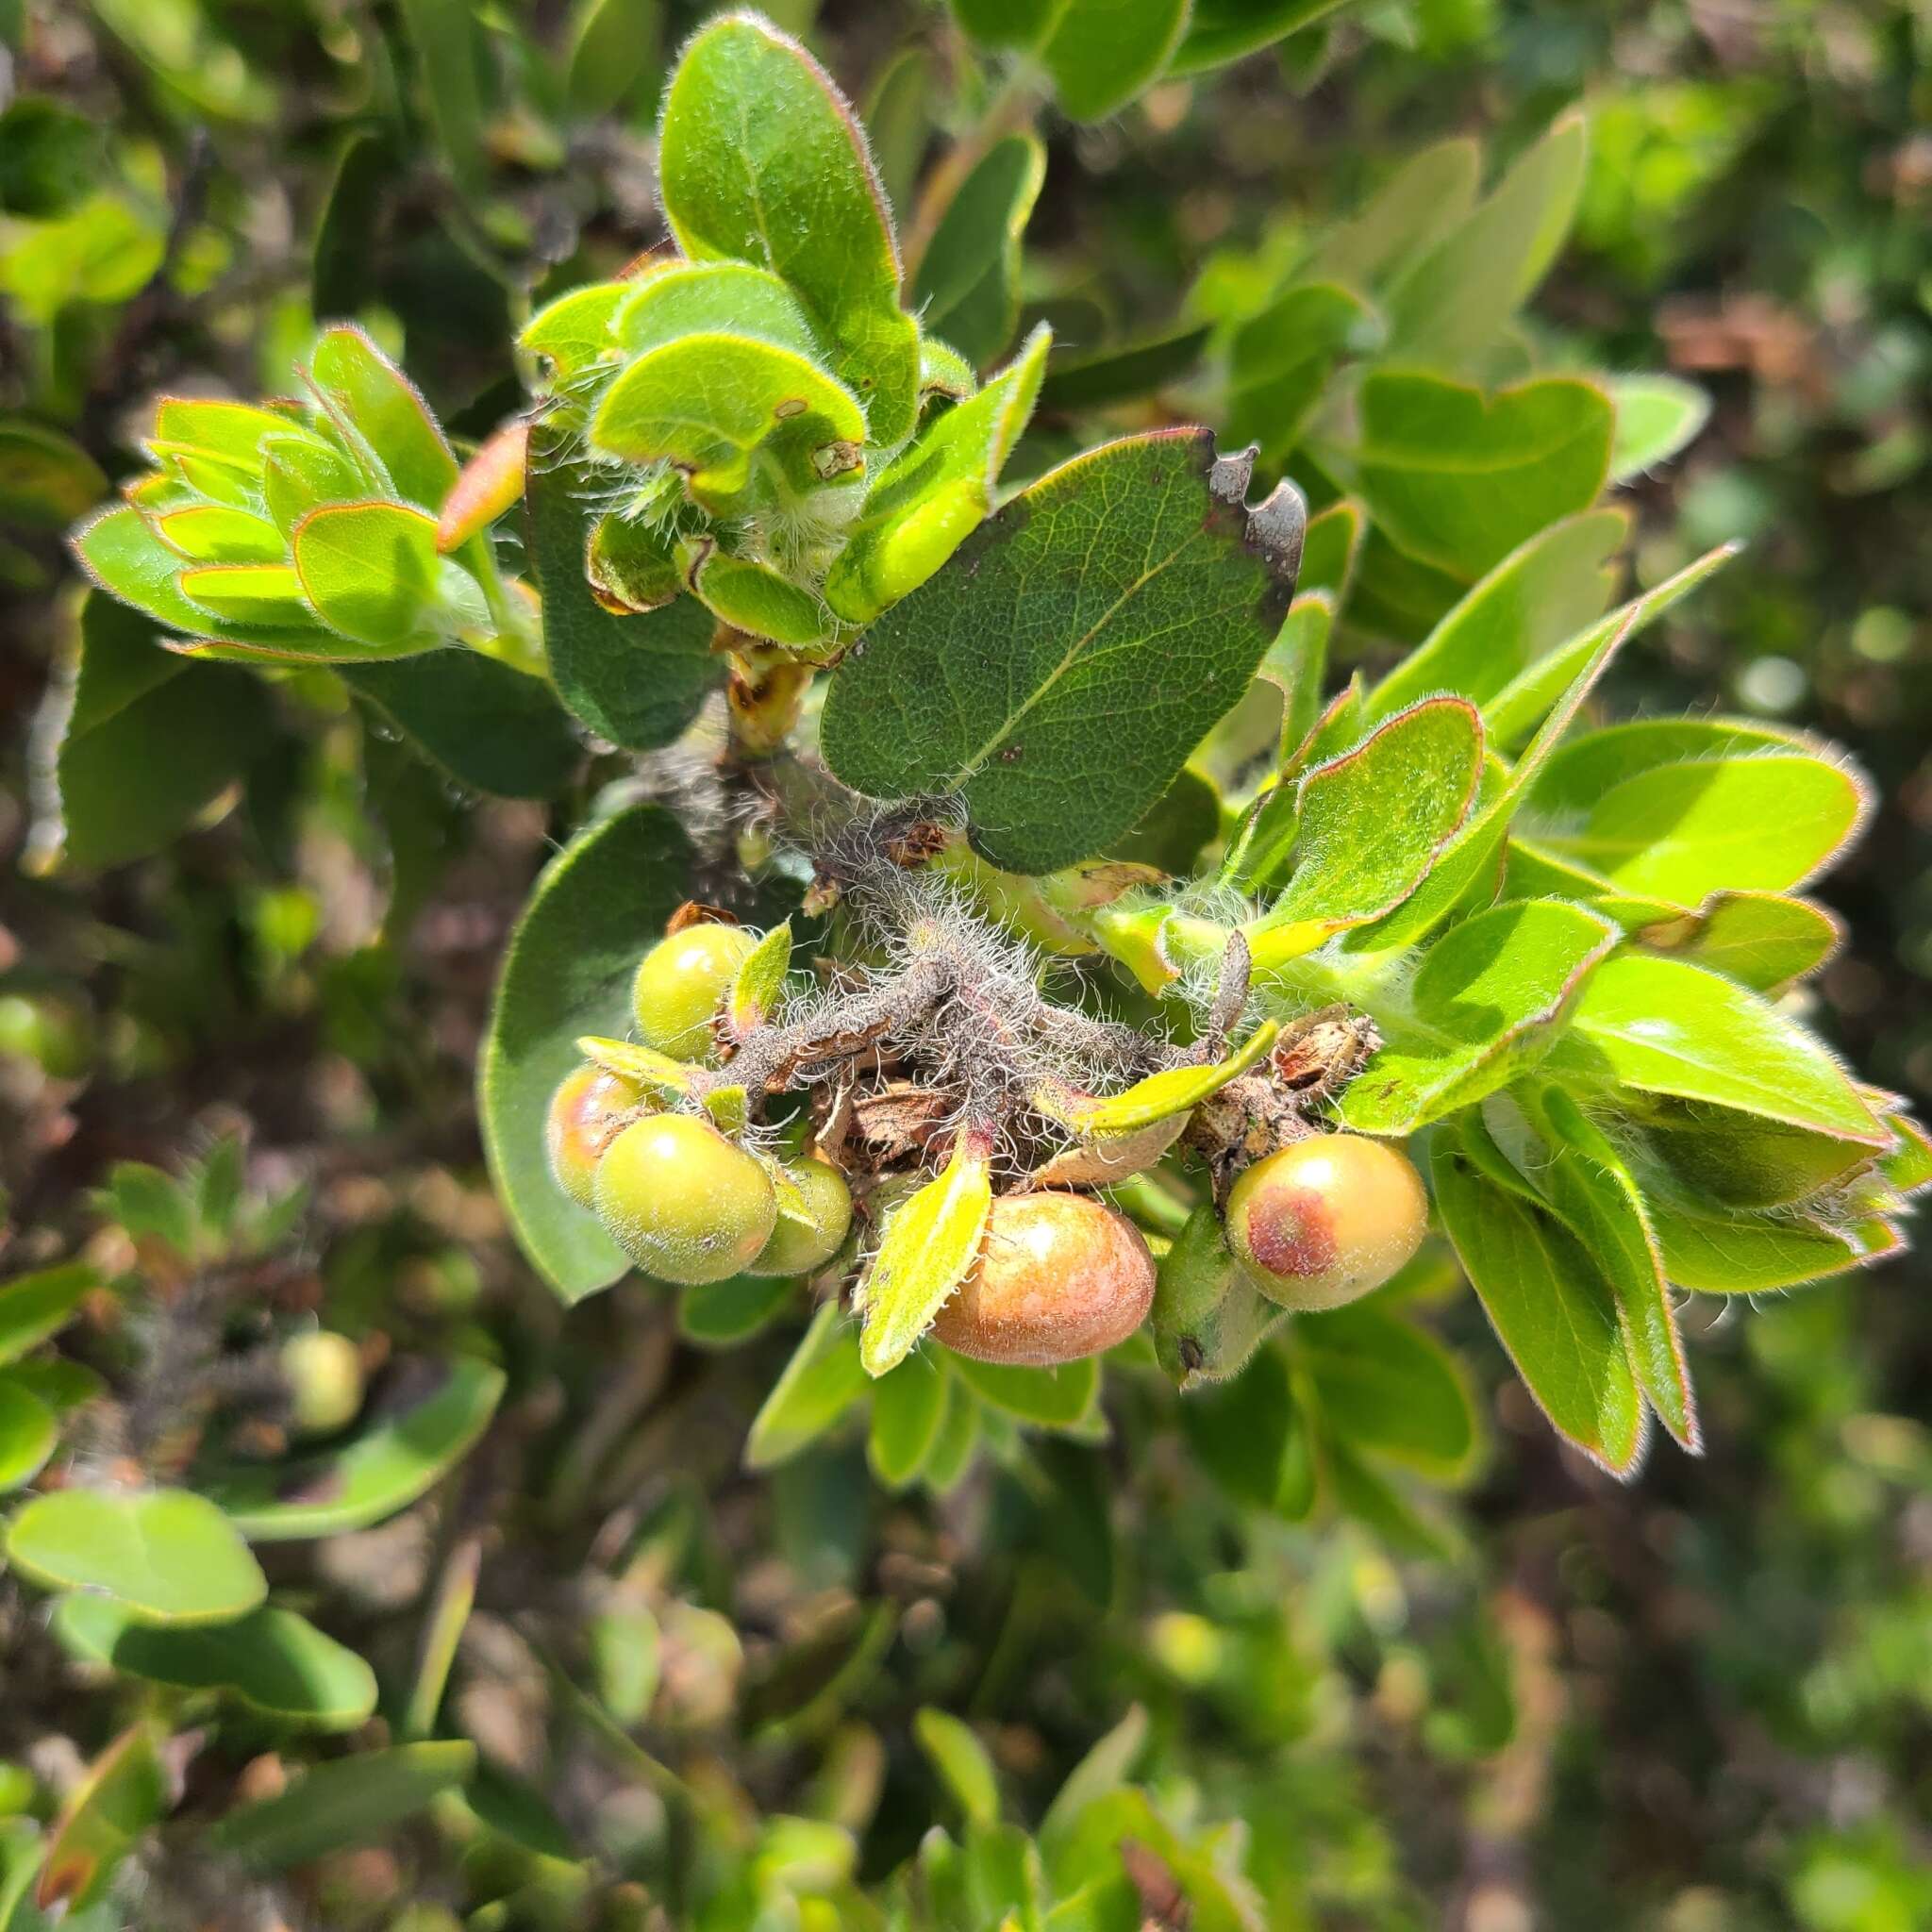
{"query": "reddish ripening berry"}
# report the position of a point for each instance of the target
(1323, 1221)
(587, 1113)
(1059, 1276)
(682, 983)
(682, 1202)
(797, 1248)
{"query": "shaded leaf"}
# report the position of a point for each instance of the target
(824, 1379)
(908, 1409)
(348, 1801)
(123, 1796)
(597, 907)
(1057, 1398)
(33, 1307)
(1389, 1387)
(383, 1468)
(967, 290)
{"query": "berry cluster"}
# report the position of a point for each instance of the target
(949, 1094)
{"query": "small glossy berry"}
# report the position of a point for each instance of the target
(682, 1202)
(587, 1113)
(682, 982)
(797, 1248)
(1325, 1221)
(1059, 1276)
(323, 1371)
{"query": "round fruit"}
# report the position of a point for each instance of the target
(682, 1202)
(682, 982)
(797, 1248)
(324, 1371)
(587, 1113)
(1058, 1277)
(1323, 1221)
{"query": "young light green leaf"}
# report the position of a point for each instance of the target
(705, 403)
(376, 408)
(909, 1406)
(1550, 1310)
(1459, 479)
(759, 984)
(1761, 823)
(118, 550)
(930, 1243)
(1516, 710)
(123, 1796)
(656, 1072)
(271, 1660)
(1762, 940)
(1656, 416)
(636, 679)
(214, 533)
(34, 1306)
(1280, 361)
(1543, 593)
(967, 290)
(165, 1556)
(705, 297)
(569, 337)
(962, 1762)
(824, 1379)
(755, 598)
(1662, 1027)
(761, 160)
(371, 573)
(1160, 1096)
(348, 1801)
(1366, 828)
(1453, 302)
(382, 1469)
(935, 493)
(1485, 1004)
(1593, 1193)
(1061, 714)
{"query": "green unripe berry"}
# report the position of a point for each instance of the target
(682, 1202)
(682, 982)
(323, 1371)
(796, 1247)
(1324, 1222)
(587, 1112)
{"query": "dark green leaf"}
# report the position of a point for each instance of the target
(967, 290)
(486, 725)
(1057, 672)
(824, 1379)
(1097, 377)
(348, 1801)
(596, 909)
(635, 679)
(47, 479)
(909, 1405)
(1389, 1387)
(1281, 361)
(1550, 1308)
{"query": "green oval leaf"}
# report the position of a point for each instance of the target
(908, 1409)
(824, 1379)
(271, 1660)
(596, 909)
(761, 160)
(165, 1556)
(371, 571)
(28, 1432)
(33, 1307)
(384, 1468)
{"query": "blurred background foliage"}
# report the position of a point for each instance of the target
(1703, 1701)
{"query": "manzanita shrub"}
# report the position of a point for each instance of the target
(1050, 893)
(971, 731)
